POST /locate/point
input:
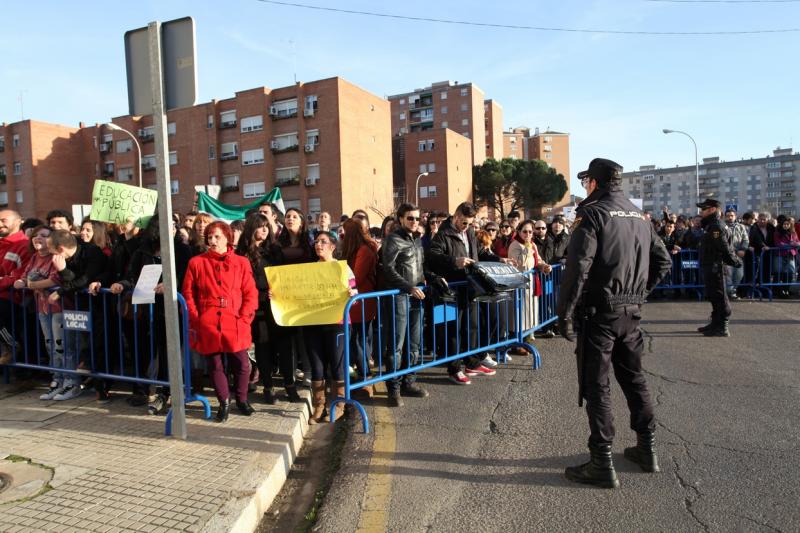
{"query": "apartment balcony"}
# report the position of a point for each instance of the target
(105, 148)
(228, 156)
(146, 136)
(108, 172)
(231, 187)
(147, 166)
(279, 114)
(285, 182)
(422, 103)
(275, 149)
(227, 124)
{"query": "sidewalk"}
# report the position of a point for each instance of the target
(113, 469)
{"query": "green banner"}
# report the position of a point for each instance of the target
(119, 203)
(228, 213)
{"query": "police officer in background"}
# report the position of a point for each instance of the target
(614, 260)
(716, 250)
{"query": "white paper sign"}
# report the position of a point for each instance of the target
(144, 292)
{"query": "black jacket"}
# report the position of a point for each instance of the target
(614, 258)
(545, 248)
(446, 246)
(757, 239)
(88, 264)
(559, 244)
(715, 248)
(403, 259)
(121, 254)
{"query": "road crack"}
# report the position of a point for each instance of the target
(693, 494)
(762, 524)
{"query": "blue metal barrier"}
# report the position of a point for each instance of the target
(107, 336)
(462, 327)
(685, 274)
(777, 269)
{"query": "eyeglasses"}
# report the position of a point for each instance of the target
(322, 242)
(413, 219)
(540, 228)
(505, 226)
(526, 231)
(492, 230)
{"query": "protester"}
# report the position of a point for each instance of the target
(96, 233)
(559, 239)
(544, 244)
(526, 255)
(222, 299)
(783, 264)
(14, 256)
(197, 242)
(740, 242)
(59, 219)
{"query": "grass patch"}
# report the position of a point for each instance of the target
(334, 462)
(45, 488)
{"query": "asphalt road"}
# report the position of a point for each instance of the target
(491, 456)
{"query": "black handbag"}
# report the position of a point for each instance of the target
(490, 281)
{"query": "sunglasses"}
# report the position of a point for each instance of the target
(413, 219)
(505, 226)
(540, 228)
(526, 231)
(492, 230)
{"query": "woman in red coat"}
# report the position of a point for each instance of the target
(222, 299)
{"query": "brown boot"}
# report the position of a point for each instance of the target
(317, 402)
(363, 393)
(337, 391)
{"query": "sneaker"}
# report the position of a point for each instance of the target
(459, 378)
(156, 404)
(489, 362)
(103, 397)
(480, 370)
(67, 393)
(299, 375)
(55, 388)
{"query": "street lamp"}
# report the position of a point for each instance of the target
(696, 164)
(416, 188)
(112, 126)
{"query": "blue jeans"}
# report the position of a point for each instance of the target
(407, 338)
(56, 341)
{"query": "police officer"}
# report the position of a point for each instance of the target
(715, 252)
(614, 260)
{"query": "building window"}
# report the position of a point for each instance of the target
(312, 137)
(19, 197)
(428, 192)
(548, 156)
(431, 167)
(547, 139)
(465, 134)
(464, 107)
(171, 128)
(2, 142)
(230, 183)
(431, 145)
(421, 146)
(444, 124)
(465, 122)
(314, 207)
(402, 116)
(464, 91)
(287, 176)
(173, 158)
(17, 168)
(284, 142)
(174, 186)
(228, 151)
(444, 95)
(149, 162)
(312, 174)
(773, 164)
(254, 123)
(284, 108)
(310, 105)
(3, 198)
(210, 121)
(125, 174)
(212, 151)
(402, 101)
(15, 140)
(444, 110)
(423, 168)
(227, 119)
(254, 190)
(125, 145)
(253, 157)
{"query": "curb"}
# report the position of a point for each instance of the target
(259, 483)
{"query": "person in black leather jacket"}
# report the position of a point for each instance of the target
(614, 260)
(403, 259)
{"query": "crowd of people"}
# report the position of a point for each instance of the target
(49, 265)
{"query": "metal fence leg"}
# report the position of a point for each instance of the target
(357, 405)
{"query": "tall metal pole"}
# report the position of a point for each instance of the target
(696, 162)
(175, 364)
(416, 189)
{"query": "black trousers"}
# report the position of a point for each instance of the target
(606, 340)
(716, 293)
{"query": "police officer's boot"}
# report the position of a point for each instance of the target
(707, 327)
(644, 453)
(719, 329)
(599, 471)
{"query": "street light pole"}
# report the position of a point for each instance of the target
(112, 126)
(416, 188)
(696, 162)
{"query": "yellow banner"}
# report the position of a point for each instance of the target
(309, 294)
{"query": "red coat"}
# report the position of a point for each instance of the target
(15, 254)
(365, 270)
(222, 299)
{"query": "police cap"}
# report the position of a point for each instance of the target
(709, 203)
(604, 171)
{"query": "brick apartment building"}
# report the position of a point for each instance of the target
(46, 166)
(446, 157)
(552, 147)
(493, 119)
(326, 144)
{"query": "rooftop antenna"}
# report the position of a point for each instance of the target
(294, 60)
(21, 105)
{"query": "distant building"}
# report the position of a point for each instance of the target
(445, 156)
(46, 166)
(493, 119)
(763, 184)
(552, 147)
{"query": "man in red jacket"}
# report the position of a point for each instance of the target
(14, 256)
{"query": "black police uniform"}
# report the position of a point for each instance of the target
(716, 251)
(614, 259)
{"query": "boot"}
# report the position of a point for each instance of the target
(599, 471)
(223, 411)
(364, 393)
(644, 453)
(719, 330)
(291, 394)
(395, 400)
(317, 402)
(337, 391)
(707, 327)
(245, 408)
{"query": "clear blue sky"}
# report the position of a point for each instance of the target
(737, 94)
